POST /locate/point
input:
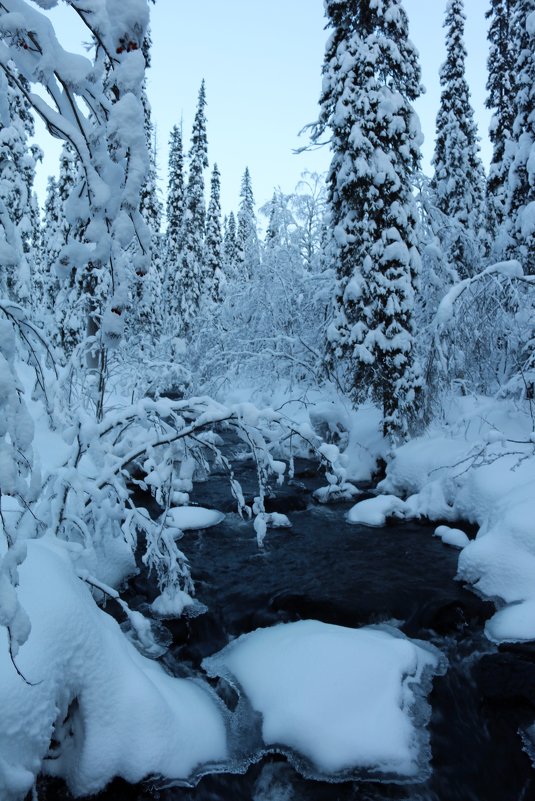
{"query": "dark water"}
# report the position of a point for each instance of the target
(327, 570)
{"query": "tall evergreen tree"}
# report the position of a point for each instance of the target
(150, 203)
(191, 258)
(521, 184)
(213, 257)
(458, 183)
(370, 75)
(247, 236)
(175, 211)
(230, 246)
(175, 191)
(501, 89)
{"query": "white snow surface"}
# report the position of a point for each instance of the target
(375, 511)
(480, 467)
(127, 716)
(340, 697)
(193, 517)
(452, 536)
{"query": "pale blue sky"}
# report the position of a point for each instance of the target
(262, 66)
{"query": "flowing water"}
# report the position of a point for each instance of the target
(325, 569)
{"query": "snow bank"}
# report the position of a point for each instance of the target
(340, 698)
(482, 471)
(111, 711)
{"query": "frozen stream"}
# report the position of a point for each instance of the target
(327, 570)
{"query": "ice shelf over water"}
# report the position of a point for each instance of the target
(343, 699)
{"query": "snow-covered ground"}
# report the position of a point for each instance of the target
(107, 710)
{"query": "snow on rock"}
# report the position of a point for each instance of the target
(334, 493)
(193, 517)
(375, 511)
(452, 536)
(340, 698)
(112, 711)
(265, 520)
(172, 603)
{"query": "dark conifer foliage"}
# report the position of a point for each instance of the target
(458, 183)
(521, 186)
(370, 75)
(175, 190)
(247, 236)
(192, 242)
(501, 83)
(214, 279)
(230, 244)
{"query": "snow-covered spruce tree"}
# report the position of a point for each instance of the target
(521, 183)
(175, 191)
(213, 245)
(501, 91)
(370, 75)
(175, 209)
(458, 183)
(145, 319)
(189, 280)
(150, 203)
(247, 235)
(230, 246)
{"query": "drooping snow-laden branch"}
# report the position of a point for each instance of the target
(94, 105)
(489, 313)
(157, 446)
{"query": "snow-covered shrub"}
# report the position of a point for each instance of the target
(483, 335)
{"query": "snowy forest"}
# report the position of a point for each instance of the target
(267, 477)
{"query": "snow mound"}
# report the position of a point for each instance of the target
(338, 701)
(482, 472)
(451, 536)
(375, 511)
(107, 710)
(186, 518)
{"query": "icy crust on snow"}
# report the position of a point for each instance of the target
(340, 703)
(484, 473)
(112, 711)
